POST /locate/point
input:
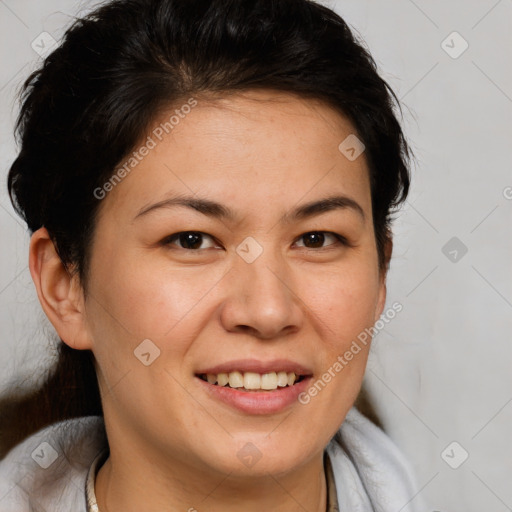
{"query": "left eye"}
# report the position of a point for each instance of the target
(189, 240)
(316, 239)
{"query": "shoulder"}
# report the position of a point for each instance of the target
(48, 470)
(370, 471)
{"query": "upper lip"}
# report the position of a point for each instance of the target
(256, 366)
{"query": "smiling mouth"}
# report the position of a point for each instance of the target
(251, 381)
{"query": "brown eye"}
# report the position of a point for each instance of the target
(190, 240)
(316, 239)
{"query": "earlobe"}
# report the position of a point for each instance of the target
(58, 291)
(381, 302)
(388, 251)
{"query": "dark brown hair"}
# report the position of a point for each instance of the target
(116, 69)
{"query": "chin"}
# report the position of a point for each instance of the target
(258, 454)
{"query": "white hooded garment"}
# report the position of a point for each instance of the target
(48, 471)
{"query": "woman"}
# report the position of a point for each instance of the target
(209, 186)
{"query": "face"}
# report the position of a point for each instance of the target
(240, 248)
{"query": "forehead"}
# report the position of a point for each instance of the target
(252, 148)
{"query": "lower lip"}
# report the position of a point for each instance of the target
(257, 402)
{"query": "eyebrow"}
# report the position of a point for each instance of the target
(217, 210)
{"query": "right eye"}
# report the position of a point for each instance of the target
(188, 240)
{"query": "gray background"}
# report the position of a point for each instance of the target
(440, 372)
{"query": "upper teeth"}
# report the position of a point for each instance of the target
(251, 380)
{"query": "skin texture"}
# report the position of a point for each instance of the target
(173, 447)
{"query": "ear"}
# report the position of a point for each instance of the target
(381, 300)
(59, 292)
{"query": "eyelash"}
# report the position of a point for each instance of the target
(339, 239)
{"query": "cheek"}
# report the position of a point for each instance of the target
(344, 302)
(151, 301)
(137, 301)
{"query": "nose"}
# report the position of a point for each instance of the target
(261, 300)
